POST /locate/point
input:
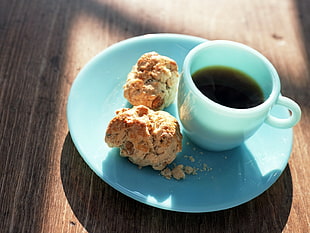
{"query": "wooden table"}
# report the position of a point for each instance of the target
(45, 186)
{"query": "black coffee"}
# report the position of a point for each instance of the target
(229, 87)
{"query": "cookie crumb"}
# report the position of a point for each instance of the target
(166, 173)
(178, 172)
(191, 158)
(206, 168)
(190, 170)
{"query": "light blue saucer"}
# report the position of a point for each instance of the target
(224, 180)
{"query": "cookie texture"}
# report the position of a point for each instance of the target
(152, 81)
(146, 137)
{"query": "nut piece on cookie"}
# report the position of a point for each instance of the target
(146, 137)
(152, 81)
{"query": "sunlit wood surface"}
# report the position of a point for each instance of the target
(45, 186)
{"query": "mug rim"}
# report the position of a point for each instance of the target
(268, 102)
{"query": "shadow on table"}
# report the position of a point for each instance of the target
(100, 208)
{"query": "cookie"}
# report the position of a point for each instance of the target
(146, 137)
(152, 81)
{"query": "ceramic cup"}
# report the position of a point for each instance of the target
(216, 127)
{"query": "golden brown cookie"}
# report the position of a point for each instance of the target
(152, 81)
(146, 137)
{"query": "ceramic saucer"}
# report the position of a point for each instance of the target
(223, 179)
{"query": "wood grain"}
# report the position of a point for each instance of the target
(45, 186)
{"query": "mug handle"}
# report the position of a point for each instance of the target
(295, 114)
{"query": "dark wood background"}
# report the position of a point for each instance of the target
(45, 186)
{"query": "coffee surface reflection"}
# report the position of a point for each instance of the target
(228, 86)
